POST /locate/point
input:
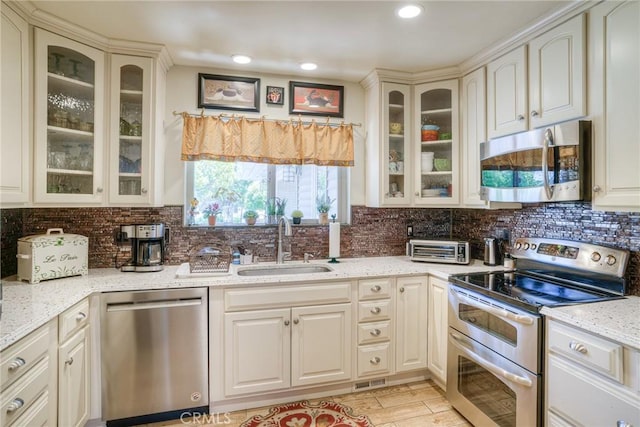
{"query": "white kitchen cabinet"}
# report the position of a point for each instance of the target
(436, 182)
(474, 131)
(437, 326)
(15, 95)
(591, 380)
(388, 170)
(411, 323)
(549, 87)
(74, 366)
(69, 121)
(614, 88)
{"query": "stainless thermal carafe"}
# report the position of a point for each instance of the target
(491, 251)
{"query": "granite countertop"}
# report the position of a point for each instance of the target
(618, 320)
(26, 307)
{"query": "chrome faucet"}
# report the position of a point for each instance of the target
(280, 256)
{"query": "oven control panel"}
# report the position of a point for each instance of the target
(585, 256)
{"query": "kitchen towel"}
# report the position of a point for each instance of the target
(334, 240)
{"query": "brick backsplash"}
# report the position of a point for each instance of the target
(373, 232)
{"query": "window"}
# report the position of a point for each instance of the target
(241, 186)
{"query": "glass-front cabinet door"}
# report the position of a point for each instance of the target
(436, 144)
(69, 95)
(130, 128)
(396, 136)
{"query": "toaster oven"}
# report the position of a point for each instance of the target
(442, 251)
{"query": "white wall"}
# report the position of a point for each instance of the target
(182, 95)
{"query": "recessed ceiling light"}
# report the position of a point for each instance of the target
(410, 11)
(241, 59)
(308, 66)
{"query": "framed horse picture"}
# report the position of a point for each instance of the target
(316, 99)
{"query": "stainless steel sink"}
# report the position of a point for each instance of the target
(277, 270)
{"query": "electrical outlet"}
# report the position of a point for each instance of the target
(504, 234)
(409, 230)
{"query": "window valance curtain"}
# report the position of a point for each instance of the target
(266, 141)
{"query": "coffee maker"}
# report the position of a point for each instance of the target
(147, 246)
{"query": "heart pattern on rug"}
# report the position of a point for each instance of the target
(304, 414)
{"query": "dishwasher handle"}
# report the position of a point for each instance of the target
(148, 305)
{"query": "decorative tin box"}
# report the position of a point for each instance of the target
(52, 256)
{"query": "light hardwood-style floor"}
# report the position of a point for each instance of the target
(419, 404)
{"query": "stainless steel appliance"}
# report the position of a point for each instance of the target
(154, 354)
(543, 165)
(495, 357)
(442, 251)
(491, 251)
(147, 246)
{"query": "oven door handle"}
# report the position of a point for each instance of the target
(458, 341)
(500, 312)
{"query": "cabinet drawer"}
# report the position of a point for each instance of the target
(374, 359)
(596, 353)
(374, 288)
(374, 310)
(374, 332)
(24, 392)
(287, 296)
(73, 319)
(20, 357)
(37, 415)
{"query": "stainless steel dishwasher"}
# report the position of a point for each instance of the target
(154, 353)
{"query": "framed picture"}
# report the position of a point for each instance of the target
(275, 95)
(316, 99)
(228, 92)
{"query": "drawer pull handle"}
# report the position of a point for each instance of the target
(375, 360)
(69, 361)
(15, 404)
(375, 310)
(576, 346)
(16, 363)
(376, 288)
(80, 317)
(376, 332)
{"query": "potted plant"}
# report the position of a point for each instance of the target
(270, 208)
(323, 204)
(297, 216)
(250, 217)
(210, 211)
(281, 204)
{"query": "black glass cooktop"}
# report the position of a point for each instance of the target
(527, 291)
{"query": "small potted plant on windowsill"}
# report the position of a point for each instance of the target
(323, 204)
(297, 215)
(210, 212)
(250, 217)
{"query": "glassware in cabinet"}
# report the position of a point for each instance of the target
(69, 89)
(437, 143)
(396, 136)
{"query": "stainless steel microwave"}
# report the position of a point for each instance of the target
(549, 164)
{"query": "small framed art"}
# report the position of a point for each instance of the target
(275, 95)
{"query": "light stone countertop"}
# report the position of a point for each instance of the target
(618, 320)
(26, 307)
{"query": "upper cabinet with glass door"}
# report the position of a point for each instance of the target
(130, 132)
(436, 144)
(396, 135)
(69, 87)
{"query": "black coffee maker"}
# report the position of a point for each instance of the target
(147, 246)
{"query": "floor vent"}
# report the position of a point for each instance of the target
(380, 382)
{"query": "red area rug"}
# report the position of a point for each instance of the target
(303, 414)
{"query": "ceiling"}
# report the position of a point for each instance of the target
(347, 39)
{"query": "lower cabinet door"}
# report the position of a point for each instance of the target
(437, 329)
(257, 351)
(411, 325)
(320, 344)
(73, 380)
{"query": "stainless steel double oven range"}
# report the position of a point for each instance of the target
(495, 347)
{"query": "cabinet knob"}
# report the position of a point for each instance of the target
(99, 189)
(15, 404)
(143, 191)
(402, 290)
(534, 113)
(417, 193)
(375, 310)
(596, 189)
(375, 360)
(376, 332)
(296, 321)
(286, 323)
(376, 288)
(520, 117)
(16, 363)
(576, 346)
(69, 361)
(80, 317)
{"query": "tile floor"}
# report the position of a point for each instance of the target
(419, 404)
